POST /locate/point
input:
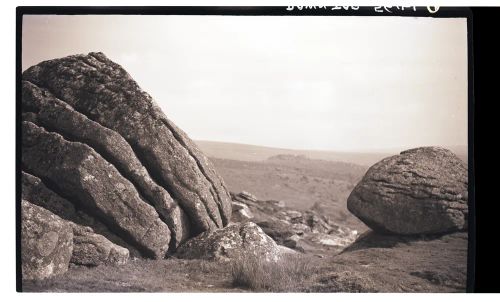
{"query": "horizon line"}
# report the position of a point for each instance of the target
(388, 150)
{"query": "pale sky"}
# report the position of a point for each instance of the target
(327, 83)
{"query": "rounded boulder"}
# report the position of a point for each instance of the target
(419, 191)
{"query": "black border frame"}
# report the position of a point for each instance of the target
(443, 12)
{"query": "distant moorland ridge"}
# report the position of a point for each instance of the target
(245, 152)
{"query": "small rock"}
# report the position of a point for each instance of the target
(241, 212)
(277, 203)
(292, 241)
(239, 206)
(242, 215)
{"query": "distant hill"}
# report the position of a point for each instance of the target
(245, 152)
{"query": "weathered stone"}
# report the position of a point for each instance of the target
(54, 114)
(300, 228)
(420, 191)
(236, 241)
(106, 94)
(93, 249)
(292, 241)
(46, 242)
(80, 172)
(294, 216)
(34, 190)
(247, 196)
(307, 232)
(239, 206)
(277, 203)
(241, 212)
(277, 229)
(317, 223)
(333, 240)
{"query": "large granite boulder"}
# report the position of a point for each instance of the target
(56, 115)
(99, 142)
(420, 191)
(46, 242)
(234, 242)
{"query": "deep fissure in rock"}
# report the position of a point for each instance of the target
(150, 168)
(94, 211)
(116, 163)
(156, 176)
(80, 207)
(118, 166)
(200, 167)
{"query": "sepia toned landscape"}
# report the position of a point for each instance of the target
(117, 198)
(240, 180)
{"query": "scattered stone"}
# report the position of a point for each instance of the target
(277, 203)
(292, 241)
(241, 212)
(277, 229)
(300, 228)
(306, 232)
(330, 240)
(239, 206)
(247, 196)
(317, 223)
(294, 216)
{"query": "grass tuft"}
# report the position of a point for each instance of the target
(285, 275)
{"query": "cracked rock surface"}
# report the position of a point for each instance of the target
(98, 152)
(46, 242)
(105, 93)
(420, 191)
(35, 191)
(234, 242)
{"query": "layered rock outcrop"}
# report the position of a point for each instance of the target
(420, 191)
(35, 191)
(87, 178)
(98, 152)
